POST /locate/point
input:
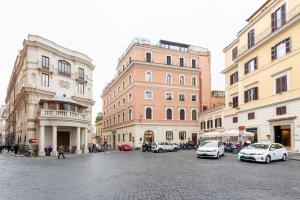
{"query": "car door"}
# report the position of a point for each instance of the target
(273, 152)
(221, 149)
(279, 151)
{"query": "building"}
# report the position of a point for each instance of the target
(2, 125)
(262, 75)
(212, 120)
(49, 97)
(98, 132)
(157, 94)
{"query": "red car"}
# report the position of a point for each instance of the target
(125, 147)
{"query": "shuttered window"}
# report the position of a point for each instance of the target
(251, 94)
(251, 38)
(281, 110)
(234, 78)
(281, 84)
(251, 65)
(234, 53)
(278, 18)
(235, 102)
(281, 49)
(235, 120)
(251, 116)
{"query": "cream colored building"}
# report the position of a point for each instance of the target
(50, 97)
(212, 120)
(262, 74)
(2, 125)
(157, 94)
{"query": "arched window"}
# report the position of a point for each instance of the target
(194, 114)
(169, 135)
(182, 135)
(148, 113)
(182, 114)
(169, 114)
(194, 81)
(148, 76)
(169, 79)
(64, 68)
(130, 114)
(129, 79)
(123, 117)
(181, 80)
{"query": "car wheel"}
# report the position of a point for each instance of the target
(284, 157)
(175, 149)
(159, 150)
(218, 155)
(268, 159)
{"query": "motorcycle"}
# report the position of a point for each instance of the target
(146, 147)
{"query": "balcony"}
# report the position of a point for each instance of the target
(292, 14)
(81, 77)
(61, 114)
(45, 68)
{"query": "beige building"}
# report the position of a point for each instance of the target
(262, 74)
(157, 94)
(98, 133)
(212, 120)
(2, 125)
(49, 97)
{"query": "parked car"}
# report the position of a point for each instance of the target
(210, 148)
(263, 152)
(125, 147)
(163, 147)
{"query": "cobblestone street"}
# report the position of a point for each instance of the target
(137, 175)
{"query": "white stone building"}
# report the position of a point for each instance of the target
(2, 125)
(50, 97)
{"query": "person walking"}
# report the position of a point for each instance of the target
(61, 151)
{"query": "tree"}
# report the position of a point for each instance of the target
(99, 117)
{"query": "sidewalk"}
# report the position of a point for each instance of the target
(294, 156)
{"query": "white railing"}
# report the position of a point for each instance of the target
(62, 114)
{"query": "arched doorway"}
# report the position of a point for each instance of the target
(148, 136)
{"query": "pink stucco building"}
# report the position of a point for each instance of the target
(157, 94)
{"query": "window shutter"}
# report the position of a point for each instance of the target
(246, 68)
(288, 45)
(216, 123)
(273, 53)
(273, 22)
(283, 14)
(278, 86)
(284, 83)
(220, 119)
(255, 63)
(255, 93)
(231, 79)
(246, 96)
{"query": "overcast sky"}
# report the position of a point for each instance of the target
(103, 29)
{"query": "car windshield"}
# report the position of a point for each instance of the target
(209, 144)
(258, 146)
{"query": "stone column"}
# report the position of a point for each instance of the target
(85, 141)
(54, 141)
(78, 150)
(42, 141)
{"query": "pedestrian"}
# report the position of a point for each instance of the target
(61, 151)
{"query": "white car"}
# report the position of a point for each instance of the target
(164, 146)
(263, 152)
(210, 148)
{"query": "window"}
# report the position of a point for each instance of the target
(119, 118)
(251, 38)
(148, 113)
(130, 97)
(234, 78)
(181, 97)
(148, 57)
(45, 80)
(194, 81)
(182, 135)
(45, 62)
(281, 84)
(251, 94)
(123, 117)
(148, 95)
(182, 114)
(281, 110)
(130, 114)
(169, 135)
(202, 125)
(64, 68)
(129, 79)
(130, 60)
(169, 60)
(278, 18)
(119, 89)
(169, 79)
(181, 80)
(251, 115)
(148, 76)
(210, 124)
(235, 120)
(130, 137)
(251, 65)
(124, 101)
(169, 114)
(193, 63)
(194, 114)
(81, 73)
(169, 96)
(81, 88)
(194, 97)
(123, 137)
(123, 85)
(281, 49)
(218, 122)
(234, 53)
(181, 62)
(235, 102)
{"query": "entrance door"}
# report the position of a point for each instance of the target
(194, 138)
(114, 141)
(282, 135)
(149, 137)
(63, 138)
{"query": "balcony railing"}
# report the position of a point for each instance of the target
(269, 30)
(45, 113)
(81, 77)
(45, 67)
